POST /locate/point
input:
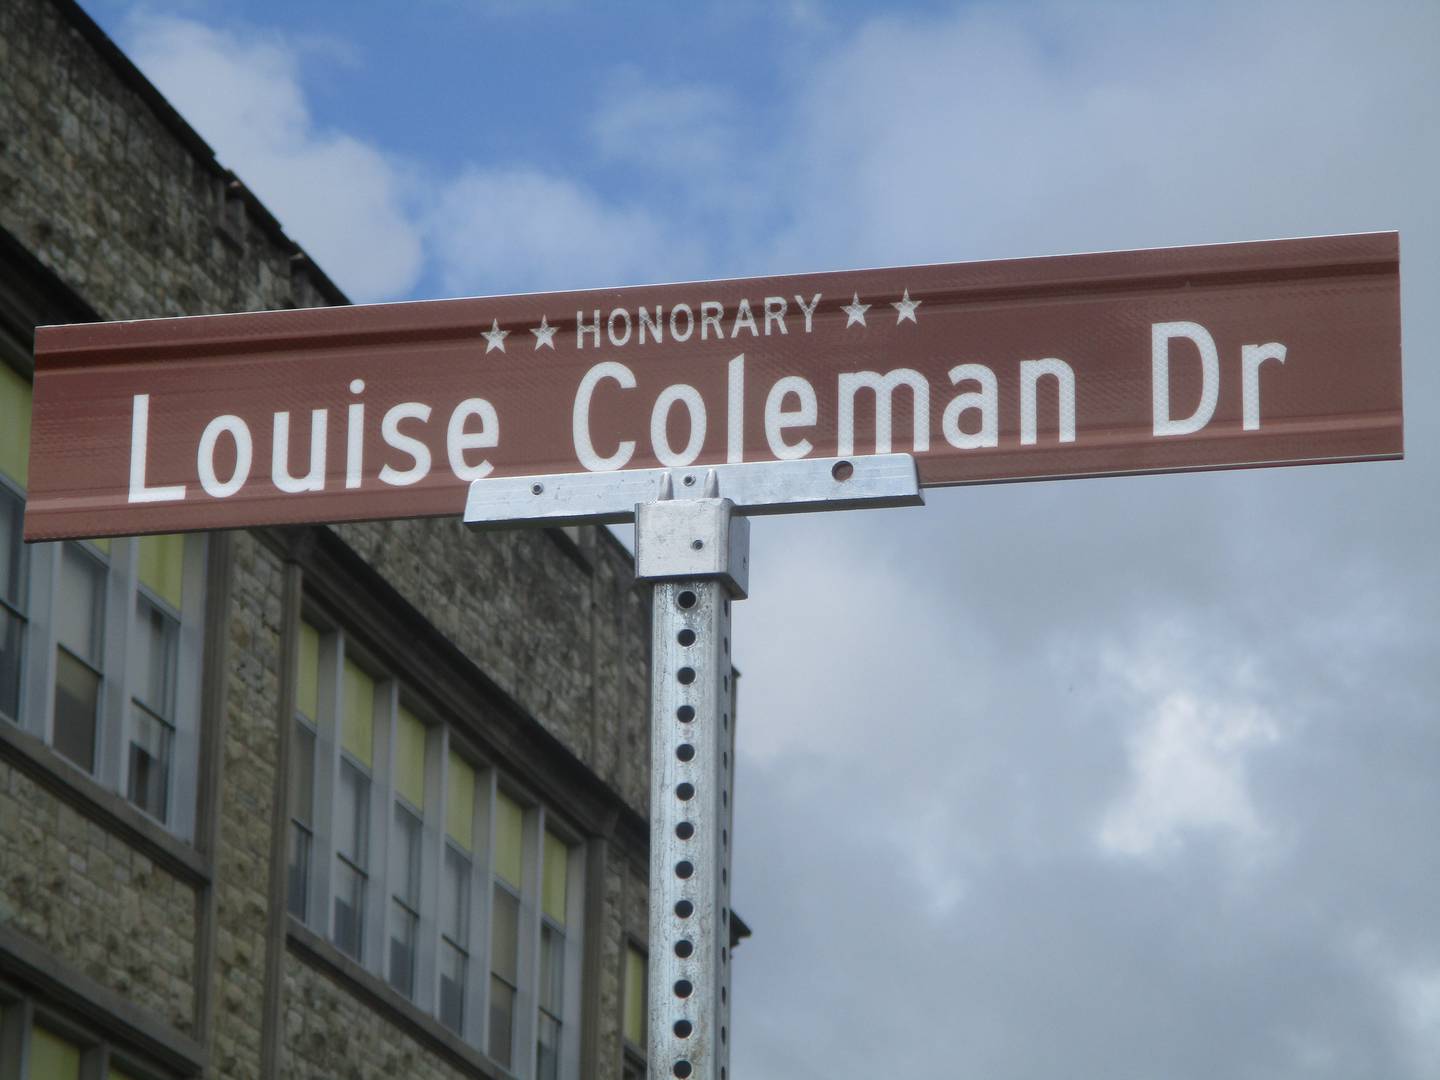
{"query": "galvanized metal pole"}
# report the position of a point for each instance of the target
(692, 542)
(697, 554)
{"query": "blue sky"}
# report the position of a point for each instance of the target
(1117, 778)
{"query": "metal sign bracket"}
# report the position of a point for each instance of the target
(692, 542)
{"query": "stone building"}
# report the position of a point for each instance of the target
(355, 801)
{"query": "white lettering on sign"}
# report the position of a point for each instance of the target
(778, 418)
(1251, 357)
(139, 443)
(355, 437)
(680, 415)
(1031, 371)
(580, 418)
(884, 389)
(239, 432)
(985, 401)
(314, 480)
(761, 318)
(1161, 334)
(458, 439)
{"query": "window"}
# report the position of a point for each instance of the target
(634, 1025)
(100, 642)
(554, 882)
(427, 867)
(405, 853)
(505, 928)
(455, 891)
(352, 808)
(302, 772)
(37, 1043)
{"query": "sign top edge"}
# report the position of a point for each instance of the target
(1378, 247)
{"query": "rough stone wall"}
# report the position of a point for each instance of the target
(565, 641)
(140, 222)
(97, 903)
(94, 184)
(251, 748)
(331, 1033)
(110, 199)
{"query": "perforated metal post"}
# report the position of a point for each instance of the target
(697, 554)
(693, 543)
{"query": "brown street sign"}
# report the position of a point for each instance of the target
(1224, 356)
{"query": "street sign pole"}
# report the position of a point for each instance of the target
(692, 544)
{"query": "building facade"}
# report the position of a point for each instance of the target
(354, 801)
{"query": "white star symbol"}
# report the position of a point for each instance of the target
(855, 311)
(544, 334)
(906, 308)
(494, 337)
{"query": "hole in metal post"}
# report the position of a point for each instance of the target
(682, 1029)
(536, 489)
(686, 599)
(685, 752)
(683, 988)
(686, 637)
(684, 908)
(698, 545)
(686, 675)
(689, 481)
(683, 948)
(685, 792)
(681, 1069)
(685, 713)
(685, 830)
(842, 471)
(684, 868)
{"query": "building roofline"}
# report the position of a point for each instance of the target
(190, 139)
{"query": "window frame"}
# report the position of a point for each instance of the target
(121, 590)
(336, 645)
(100, 1054)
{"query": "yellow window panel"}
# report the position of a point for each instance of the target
(509, 838)
(636, 975)
(460, 802)
(358, 725)
(52, 1057)
(15, 396)
(410, 759)
(307, 695)
(554, 878)
(162, 566)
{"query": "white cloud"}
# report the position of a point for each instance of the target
(519, 229)
(1187, 751)
(675, 128)
(1005, 131)
(1187, 762)
(340, 197)
(1417, 994)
